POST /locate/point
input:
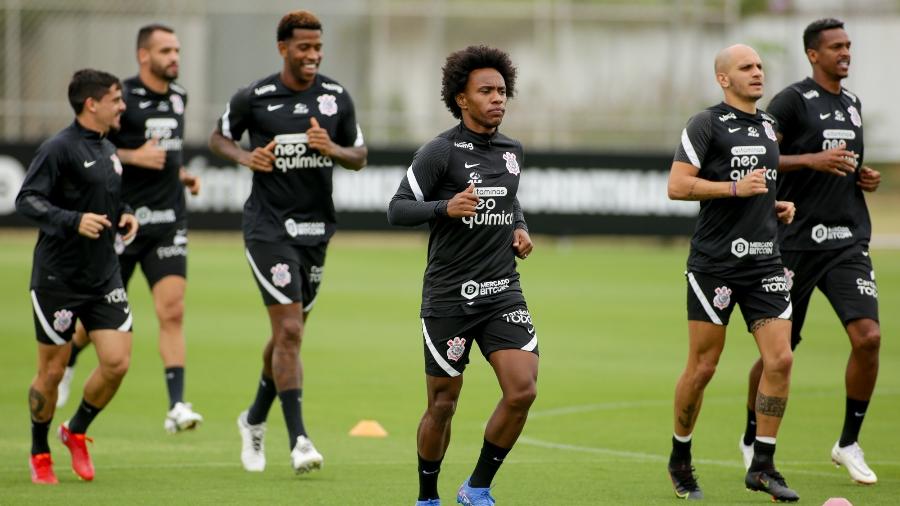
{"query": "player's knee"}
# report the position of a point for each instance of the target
(523, 398)
(703, 373)
(780, 364)
(116, 367)
(868, 341)
(51, 374)
(442, 409)
(171, 314)
(290, 330)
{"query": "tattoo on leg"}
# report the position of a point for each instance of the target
(762, 322)
(770, 406)
(686, 419)
(37, 402)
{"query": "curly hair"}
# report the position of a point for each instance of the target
(461, 63)
(294, 20)
(813, 32)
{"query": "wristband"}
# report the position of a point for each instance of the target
(734, 188)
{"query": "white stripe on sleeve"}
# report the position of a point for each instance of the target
(414, 185)
(689, 149)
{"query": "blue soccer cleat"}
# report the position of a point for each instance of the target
(429, 502)
(468, 496)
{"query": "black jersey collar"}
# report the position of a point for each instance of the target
(812, 82)
(740, 113)
(87, 133)
(475, 137)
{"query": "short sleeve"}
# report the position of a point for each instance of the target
(236, 118)
(695, 139)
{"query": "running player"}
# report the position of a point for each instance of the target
(463, 184)
(821, 135)
(300, 124)
(73, 191)
(150, 146)
(727, 160)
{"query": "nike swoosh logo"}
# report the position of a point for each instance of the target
(89, 164)
(127, 310)
(432, 472)
(274, 107)
(146, 104)
(787, 298)
(824, 116)
(733, 130)
(865, 253)
(470, 165)
(531, 330)
(858, 414)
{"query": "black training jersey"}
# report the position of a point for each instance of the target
(726, 144)
(156, 195)
(831, 210)
(471, 261)
(293, 202)
(74, 172)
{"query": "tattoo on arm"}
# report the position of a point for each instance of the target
(37, 402)
(686, 419)
(691, 195)
(770, 406)
(762, 322)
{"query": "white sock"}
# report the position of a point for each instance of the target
(687, 439)
(767, 440)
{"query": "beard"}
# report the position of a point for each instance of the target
(165, 73)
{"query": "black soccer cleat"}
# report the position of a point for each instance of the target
(772, 483)
(684, 481)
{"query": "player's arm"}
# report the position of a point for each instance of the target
(190, 181)
(410, 205)
(351, 157)
(869, 179)
(785, 211)
(33, 199)
(521, 239)
(148, 156)
(260, 159)
(685, 184)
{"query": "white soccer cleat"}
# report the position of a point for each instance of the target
(746, 453)
(253, 448)
(852, 458)
(181, 417)
(305, 457)
(65, 386)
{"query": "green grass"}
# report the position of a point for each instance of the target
(611, 319)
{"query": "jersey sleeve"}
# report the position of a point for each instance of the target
(348, 131)
(236, 118)
(787, 109)
(33, 200)
(518, 215)
(411, 204)
(695, 140)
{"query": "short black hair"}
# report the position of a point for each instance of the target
(461, 63)
(302, 20)
(813, 32)
(90, 83)
(146, 32)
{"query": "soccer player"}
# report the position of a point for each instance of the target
(300, 124)
(73, 191)
(821, 135)
(463, 183)
(727, 160)
(149, 144)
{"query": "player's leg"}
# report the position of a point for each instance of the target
(433, 434)
(42, 403)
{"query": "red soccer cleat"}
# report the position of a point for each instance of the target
(81, 460)
(42, 469)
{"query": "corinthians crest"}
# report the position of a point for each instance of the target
(722, 298)
(457, 346)
(62, 320)
(281, 276)
(511, 164)
(327, 105)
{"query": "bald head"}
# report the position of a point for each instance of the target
(727, 58)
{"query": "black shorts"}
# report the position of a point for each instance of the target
(448, 340)
(287, 273)
(55, 312)
(761, 293)
(161, 251)
(846, 277)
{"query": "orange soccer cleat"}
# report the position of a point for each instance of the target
(77, 445)
(42, 469)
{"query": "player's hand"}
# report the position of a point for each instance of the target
(463, 204)
(869, 179)
(318, 138)
(752, 184)
(128, 222)
(260, 159)
(785, 210)
(522, 243)
(836, 161)
(149, 155)
(190, 181)
(92, 224)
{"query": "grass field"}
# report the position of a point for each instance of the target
(611, 321)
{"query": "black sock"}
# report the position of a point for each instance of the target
(83, 417)
(265, 396)
(39, 431)
(750, 428)
(763, 456)
(488, 464)
(73, 356)
(854, 415)
(428, 478)
(681, 452)
(175, 384)
(291, 401)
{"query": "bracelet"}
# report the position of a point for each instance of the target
(734, 188)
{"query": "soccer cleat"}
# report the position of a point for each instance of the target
(469, 496)
(772, 483)
(305, 457)
(253, 448)
(42, 469)
(181, 417)
(429, 502)
(65, 386)
(684, 481)
(852, 458)
(746, 452)
(77, 445)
